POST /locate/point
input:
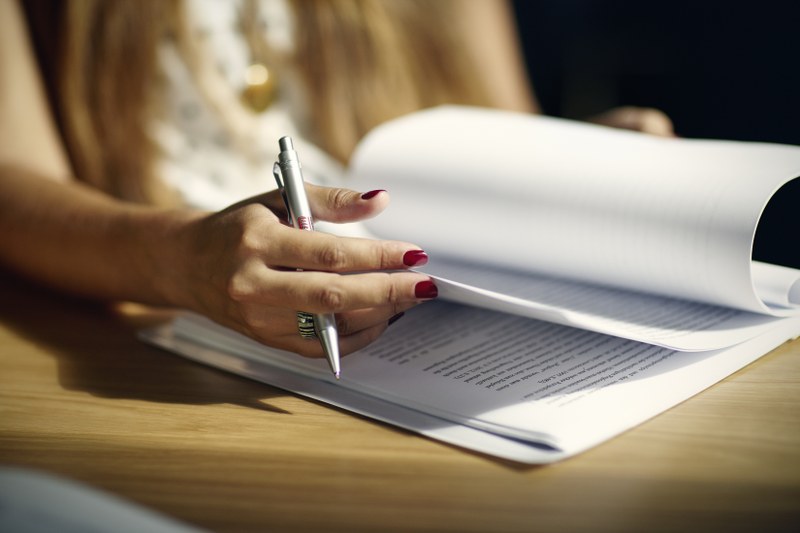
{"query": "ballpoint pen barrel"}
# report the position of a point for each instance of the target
(294, 186)
(290, 179)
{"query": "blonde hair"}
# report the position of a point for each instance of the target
(389, 58)
(374, 60)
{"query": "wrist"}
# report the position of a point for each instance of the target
(167, 244)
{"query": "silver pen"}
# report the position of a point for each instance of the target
(289, 176)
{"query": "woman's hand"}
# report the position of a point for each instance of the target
(239, 268)
(643, 119)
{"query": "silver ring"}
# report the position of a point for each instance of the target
(305, 325)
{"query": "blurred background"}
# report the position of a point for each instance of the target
(728, 70)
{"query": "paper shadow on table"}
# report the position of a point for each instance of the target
(97, 351)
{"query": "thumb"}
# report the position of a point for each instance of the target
(345, 205)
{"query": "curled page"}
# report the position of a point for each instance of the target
(675, 324)
(672, 217)
(778, 286)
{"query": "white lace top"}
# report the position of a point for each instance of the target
(214, 158)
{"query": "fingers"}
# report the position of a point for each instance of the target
(652, 121)
(249, 279)
(272, 200)
(643, 119)
(347, 324)
(327, 203)
(347, 344)
(364, 304)
(354, 322)
(345, 205)
(323, 292)
(321, 251)
(356, 329)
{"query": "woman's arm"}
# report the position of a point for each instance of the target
(52, 228)
(491, 32)
(491, 35)
(28, 137)
(238, 266)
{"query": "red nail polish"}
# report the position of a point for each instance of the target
(372, 194)
(395, 318)
(426, 290)
(415, 258)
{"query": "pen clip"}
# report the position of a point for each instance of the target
(276, 171)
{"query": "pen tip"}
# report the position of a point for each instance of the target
(336, 374)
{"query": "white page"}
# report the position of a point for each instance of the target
(669, 322)
(507, 375)
(669, 216)
(778, 286)
(260, 369)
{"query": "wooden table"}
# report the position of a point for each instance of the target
(81, 397)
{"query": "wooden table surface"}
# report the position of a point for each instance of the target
(81, 397)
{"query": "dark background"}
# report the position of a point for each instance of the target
(728, 70)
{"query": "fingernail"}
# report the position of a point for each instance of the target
(372, 194)
(415, 258)
(395, 318)
(426, 290)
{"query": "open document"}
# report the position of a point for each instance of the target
(589, 279)
(503, 385)
(643, 237)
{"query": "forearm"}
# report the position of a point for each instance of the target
(492, 41)
(81, 241)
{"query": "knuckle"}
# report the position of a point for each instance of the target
(239, 287)
(244, 213)
(251, 240)
(330, 298)
(392, 293)
(248, 228)
(385, 258)
(332, 257)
